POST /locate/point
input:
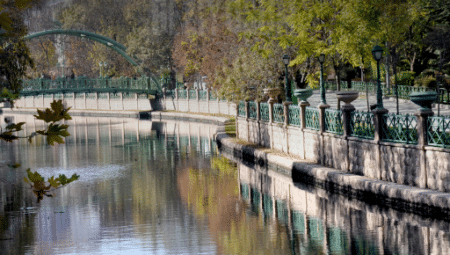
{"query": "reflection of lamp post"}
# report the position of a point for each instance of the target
(322, 86)
(377, 53)
(286, 60)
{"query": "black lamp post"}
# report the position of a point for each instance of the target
(286, 60)
(377, 53)
(322, 86)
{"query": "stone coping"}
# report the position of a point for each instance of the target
(401, 197)
(72, 112)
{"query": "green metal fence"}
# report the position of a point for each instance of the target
(264, 111)
(203, 95)
(278, 113)
(333, 122)
(294, 115)
(192, 94)
(212, 96)
(362, 125)
(400, 128)
(81, 83)
(182, 94)
(170, 93)
(312, 118)
(241, 109)
(252, 110)
(438, 131)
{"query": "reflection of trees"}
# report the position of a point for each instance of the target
(214, 194)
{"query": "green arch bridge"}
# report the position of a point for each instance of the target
(142, 85)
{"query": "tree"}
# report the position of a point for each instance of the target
(14, 54)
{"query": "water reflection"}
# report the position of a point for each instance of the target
(318, 222)
(126, 199)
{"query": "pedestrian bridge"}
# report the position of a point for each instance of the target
(98, 94)
(143, 85)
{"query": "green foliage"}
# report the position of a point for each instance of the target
(426, 81)
(406, 78)
(41, 188)
(54, 132)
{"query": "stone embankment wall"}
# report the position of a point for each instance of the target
(89, 101)
(418, 165)
(193, 101)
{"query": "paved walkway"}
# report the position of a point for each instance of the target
(405, 106)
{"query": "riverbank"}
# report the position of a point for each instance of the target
(425, 202)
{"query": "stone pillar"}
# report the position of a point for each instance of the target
(322, 108)
(347, 110)
(271, 102)
(322, 129)
(85, 100)
(109, 100)
(208, 91)
(96, 100)
(73, 100)
(303, 105)
(197, 93)
(286, 112)
(247, 110)
(164, 93)
(422, 130)
(176, 105)
(379, 123)
(121, 99)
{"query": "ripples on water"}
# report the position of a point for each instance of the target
(161, 188)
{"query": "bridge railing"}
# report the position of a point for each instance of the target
(123, 83)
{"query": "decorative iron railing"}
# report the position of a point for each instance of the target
(252, 114)
(182, 94)
(438, 131)
(294, 115)
(399, 128)
(333, 122)
(362, 125)
(203, 95)
(278, 113)
(312, 120)
(192, 94)
(212, 96)
(170, 93)
(264, 111)
(241, 109)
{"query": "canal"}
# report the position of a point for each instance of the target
(151, 187)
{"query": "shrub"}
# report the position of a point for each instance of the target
(406, 78)
(426, 81)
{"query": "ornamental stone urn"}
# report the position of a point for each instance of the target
(347, 96)
(303, 94)
(272, 93)
(424, 99)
